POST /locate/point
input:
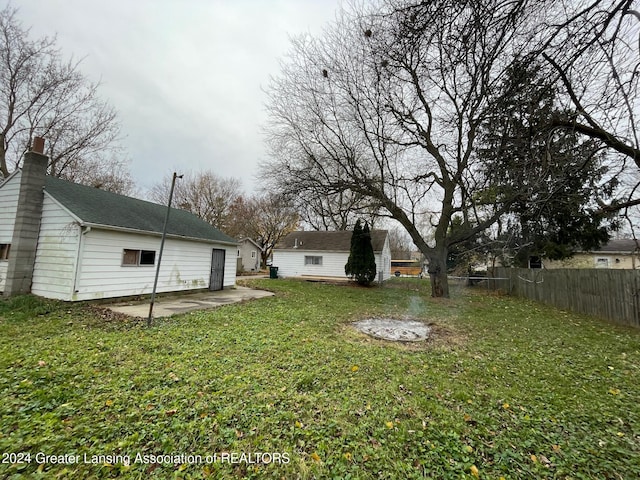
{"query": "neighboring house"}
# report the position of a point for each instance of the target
(617, 254)
(73, 242)
(248, 255)
(324, 254)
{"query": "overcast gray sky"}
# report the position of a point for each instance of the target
(186, 76)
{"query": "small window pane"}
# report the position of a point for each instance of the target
(313, 260)
(4, 251)
(130, 257)
(147, 257)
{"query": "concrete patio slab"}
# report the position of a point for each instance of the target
(167, 306)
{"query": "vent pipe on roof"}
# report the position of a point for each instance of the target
(26, 229)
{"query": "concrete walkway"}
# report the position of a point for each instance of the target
(167, 306)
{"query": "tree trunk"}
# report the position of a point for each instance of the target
(4, 170)
(438, 275)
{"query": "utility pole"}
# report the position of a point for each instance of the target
(164, 235)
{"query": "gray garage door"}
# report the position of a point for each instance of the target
(217, 269)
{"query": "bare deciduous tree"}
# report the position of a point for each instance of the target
(43, 95)
(592, 49)
(265, 218)
(337, 212)
(386, 104)
(400, 244)
(204, 194)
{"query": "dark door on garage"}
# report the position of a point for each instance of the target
(217, 269)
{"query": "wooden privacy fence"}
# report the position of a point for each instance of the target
(610, 294)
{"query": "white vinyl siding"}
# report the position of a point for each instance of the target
(230, 264)
(9, 202)
(83, 263)
(56, 254)
(313, 260)
(185, 265)
(3, 273)
(250, 258)
(294, 263)
(383, 260)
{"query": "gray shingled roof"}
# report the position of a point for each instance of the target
(625, 245)
(328, 241)
(100, 207)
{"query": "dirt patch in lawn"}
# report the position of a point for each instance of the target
(406, 333)
(394, 329)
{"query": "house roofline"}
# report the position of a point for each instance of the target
(252, 241)
(12, 174)
(314, 251)
(69, 212)
(100, 226)
(635, 251)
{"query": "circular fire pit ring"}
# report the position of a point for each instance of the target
(397, 330)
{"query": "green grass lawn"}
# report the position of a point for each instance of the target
(506, 388)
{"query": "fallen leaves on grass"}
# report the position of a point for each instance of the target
(245, 385)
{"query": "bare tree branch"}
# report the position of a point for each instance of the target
(40, 94)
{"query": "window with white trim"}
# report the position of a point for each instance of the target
(602, 262)
(312, 260)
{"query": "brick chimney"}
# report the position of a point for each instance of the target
(22, 255)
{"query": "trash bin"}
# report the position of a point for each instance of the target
(273, 272)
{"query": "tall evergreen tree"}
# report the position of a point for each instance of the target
(361, 265)
(562, 178)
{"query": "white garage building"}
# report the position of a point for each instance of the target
(67, 241)
(324, 254)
